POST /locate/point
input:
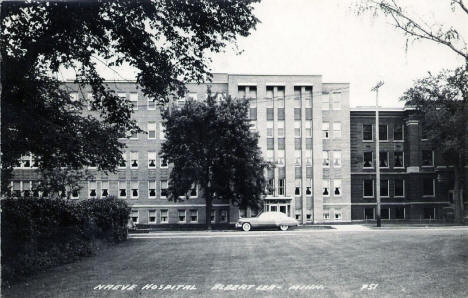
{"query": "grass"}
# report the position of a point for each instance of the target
(403, 263)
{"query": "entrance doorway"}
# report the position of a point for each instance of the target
(283, 206)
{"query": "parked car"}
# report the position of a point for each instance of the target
(267, 220)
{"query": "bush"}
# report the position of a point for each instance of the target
(41, 233)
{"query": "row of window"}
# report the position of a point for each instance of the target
(398, 213)
(368, 133)
(135, 162)
(427, 159)
(101, 189)
(182, 216)
(398, 187)
(337, 214)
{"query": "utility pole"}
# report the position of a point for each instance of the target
(377, 152)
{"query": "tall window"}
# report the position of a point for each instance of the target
(326, 188)
(383, 159)
(367, 132)
(297, 114)
(281, 187)
(428, 187)
(134, 216)
(270, 129)
(308, 188)
(134, 160)
(297, 190)
(326, 159)
(384, 188)
(123, 162)
(151, 104)
(308, 156)
(152, 216)
(134, 100)
(336, 159)
(270, 144)
(269, 112)
(122, 189)
(308, 128)
(337, 187)
(163, 163)
(325, 101)
(368, 187)
(151, 160)
(368, 160)
(104, 189)
(280, 158)
(399, 161)
(336, 130)
(427, 158)
(135, 189)
(325, 130)
(151, 126)
(164, 187)
(399, 186)
(181, 215)
(270, 155)
(383, 133)
(193, 192)
(398, 132)
(152, 189)
(336, 100)
(193, 215)
(162, 132)
(280, 129)
(164, 216)
(297, 157)
(297, 128)
(92, 189)
(223, 216)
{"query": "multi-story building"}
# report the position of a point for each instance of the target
(304, 129)
(416, 183)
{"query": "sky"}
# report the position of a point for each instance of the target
(327, 38)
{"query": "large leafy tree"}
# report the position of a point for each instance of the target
(165, 41)
(441, 101)
(210, 145)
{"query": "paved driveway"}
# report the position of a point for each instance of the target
(302, 263)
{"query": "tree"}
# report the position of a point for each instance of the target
(210, 145)
(441, 101)
(416, 29)
(165, 41)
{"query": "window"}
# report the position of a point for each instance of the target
(252, 92)
(123, 162)
(270, 144)
(104, 189)
(297, 113)
(92, 187)
(399, 160)
(135, 188)
(308, 189)
(297, 128)
(26, 188)
(383, 159)
(193, 215)
(213, 216)
(308, 217)
(151, 104)
(269, 112)
(308, 114)
(162, 132)
(271, 187)
(308, 142)
(428, 187)
(385, 213)
(75, 194)
(134, 100)
(308, 156)
(163, 163)
(151, 126)
(338, 215)
(151, 189)
(297, 190)
(270, 129)
(384, 188)
(151, 160)
(164, 216)
(281, 144)
(326, 159)
(398, 132)
(399, 186)
(427, 158)
(383, 133)
(326, 214)
(281, 187)
(223, 216)
(253, 113)
(337, 187)
(164, 189)
(325, 130)
(134, 160)
(367, 132)
(297, 157)
(423, 132)
(400, 213)
(241, 91)
(193, 193)
(181, 215)
(297, 143)
(326, 188)
(307, 96)
(336, 101)
(281, 113)
(152, 216)
(280, 158)
(368, 160)
(337, 159)
(270, 155)
(369, 213)
(308, 128)
(134, 216)
(25, 161)
(368, 188)
(325, 101)
(122, 189)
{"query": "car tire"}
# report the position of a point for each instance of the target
(246, 227)
(284, 227)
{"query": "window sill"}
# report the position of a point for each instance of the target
(398, 141)
(427, 166)
(364, 197)
(399, 197)
(428, 196)
(367, 141)
(400, 168)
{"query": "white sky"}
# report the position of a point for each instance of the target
(326, 37)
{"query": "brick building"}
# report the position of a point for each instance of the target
(416, 184)
(303, 125)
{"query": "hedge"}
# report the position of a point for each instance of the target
(38, 234)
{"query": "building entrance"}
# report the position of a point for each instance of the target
(278, 205)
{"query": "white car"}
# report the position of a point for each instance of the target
(267, 220)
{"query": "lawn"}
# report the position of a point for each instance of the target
(416, 263)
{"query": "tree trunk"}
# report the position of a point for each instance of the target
(208, 202)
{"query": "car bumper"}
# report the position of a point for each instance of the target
(238, 225)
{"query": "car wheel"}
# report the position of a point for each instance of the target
(284, 227)
(246, 227)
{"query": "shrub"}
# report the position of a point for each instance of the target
(41, 233)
